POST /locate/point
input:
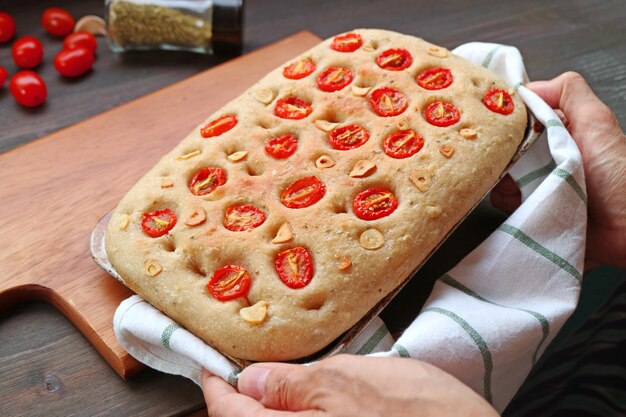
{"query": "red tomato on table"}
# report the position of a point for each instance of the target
(28, 88)
(27, 52)
(57, 21)
(81, 39)
(4, 74)
(7, 27)
(74, 62)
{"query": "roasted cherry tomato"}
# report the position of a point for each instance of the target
(294, 267)
(81, 39)
(27, 52)
(240, 218)
(57, 21)
(388, 102)
(207, 180)
(292, 108)
(74, 62)
(435, 78)
(442, 114)
(158, 223)
(403, 144)
(281, 147)
(498, 101)
(229, 282)
(374, 203)
(348, 42)
(7, 27)
(218, 126)
(394, 59)
(4, 74)
(303, 193)
(28, 88)
(299, 69)
(334, 79)
(348, 137)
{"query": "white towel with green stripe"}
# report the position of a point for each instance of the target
(487, 320)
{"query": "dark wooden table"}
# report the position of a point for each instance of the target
(46, 366)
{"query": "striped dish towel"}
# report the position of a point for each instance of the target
(487, 320)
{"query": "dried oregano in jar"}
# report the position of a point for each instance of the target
(204, 26)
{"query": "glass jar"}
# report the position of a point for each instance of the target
(204, 26)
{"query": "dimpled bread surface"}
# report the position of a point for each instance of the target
(434, 188)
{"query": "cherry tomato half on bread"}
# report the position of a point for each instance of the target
(294, 267)
(81, 39)
(207, 180)
(243, 217)
(403, 144)
(499, 101)
(388, 102)
(28, 88)
(299, 69)
(434, 78)
(229, 282)
(218, 126)
(57, 21)
(374, 203)
(27, 52)
(281, 147)
(4, 75)
(394, 59)
(348, 42)
(303, 193)
(334, 79)
(7, 27)
(442, 114)
(73, 62)
(348, 137)
(292, 108)
(158, 223)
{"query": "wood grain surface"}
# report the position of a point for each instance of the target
(46, 366)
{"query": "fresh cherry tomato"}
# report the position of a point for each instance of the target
(374, 203)
(303, 193)
(294, 267)
(158, 223)
(387, 101)
(292, 108)
(435, 78)
(348, 42)
(229, 282)
(28, 88)
(57, 21)
(348, 137)
(299, 69)
(81, 39)
(27, 52)
(334, 79)
(498, 101)
(4, 74)
(218, 126)
(207, 180)
(74, 62)
(243, 217)
(281, 147)
(403, 144)
(394, 59)
(442, 114)
(7, 27)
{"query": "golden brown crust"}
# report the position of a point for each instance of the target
(435, 188)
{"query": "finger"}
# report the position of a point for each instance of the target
(506, 195)
(507, 186)
(277, 385)
(224, 401)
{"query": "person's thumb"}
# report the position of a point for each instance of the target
(279, 386)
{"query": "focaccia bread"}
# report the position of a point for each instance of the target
(288, 214)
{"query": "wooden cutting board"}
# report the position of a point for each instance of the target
(54, 191)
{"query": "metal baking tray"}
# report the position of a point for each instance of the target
(534, 129)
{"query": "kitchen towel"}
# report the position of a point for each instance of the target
(487, 320)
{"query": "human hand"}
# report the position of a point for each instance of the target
(344, 385)
(602, 144)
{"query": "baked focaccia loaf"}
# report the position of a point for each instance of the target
(288, 214)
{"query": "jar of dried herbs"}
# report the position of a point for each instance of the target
(204, 26)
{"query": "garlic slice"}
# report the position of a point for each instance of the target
(256, 313)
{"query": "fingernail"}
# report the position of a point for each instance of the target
(252, 381)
